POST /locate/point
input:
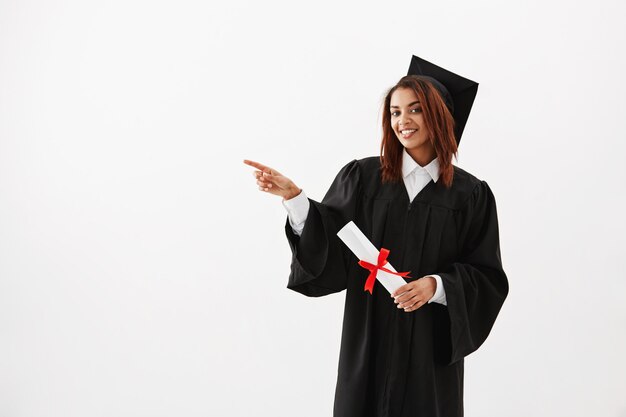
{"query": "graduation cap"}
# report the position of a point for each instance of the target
(457, 92)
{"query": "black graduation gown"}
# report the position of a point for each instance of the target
(393, 363)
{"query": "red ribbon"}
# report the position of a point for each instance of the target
(382, 261)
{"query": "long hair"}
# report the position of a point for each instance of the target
(439, 125)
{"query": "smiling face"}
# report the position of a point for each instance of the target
(407, 122)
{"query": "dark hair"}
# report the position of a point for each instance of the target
(438, 122)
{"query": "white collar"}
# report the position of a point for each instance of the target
(409, 165)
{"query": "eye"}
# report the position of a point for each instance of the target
(417, 110)
(394, 113)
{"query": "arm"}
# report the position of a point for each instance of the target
(318, 264)
(297, 210)
(476, 284)
(318, 256)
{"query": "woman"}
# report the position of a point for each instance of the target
(402, 356)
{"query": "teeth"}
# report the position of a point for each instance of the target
(405, 132)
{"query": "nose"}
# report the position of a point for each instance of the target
(404, 121)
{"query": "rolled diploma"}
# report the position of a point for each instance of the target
(360, 245)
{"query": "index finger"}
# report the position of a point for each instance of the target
(257, 165)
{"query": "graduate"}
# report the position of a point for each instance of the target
(402, 355)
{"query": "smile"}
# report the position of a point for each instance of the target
(407, 133)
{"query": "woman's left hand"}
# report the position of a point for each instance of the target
(415, 294)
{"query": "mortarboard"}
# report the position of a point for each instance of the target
(458, 92)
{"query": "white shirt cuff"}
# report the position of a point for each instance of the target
(297, 211)
(440, 292)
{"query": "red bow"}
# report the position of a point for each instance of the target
(382, 260)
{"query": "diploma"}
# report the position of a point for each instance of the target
(360, 245)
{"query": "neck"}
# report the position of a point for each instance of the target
(423, 156)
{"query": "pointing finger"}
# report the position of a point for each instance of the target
(257, 165)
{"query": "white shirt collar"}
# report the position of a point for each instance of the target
(409, 165)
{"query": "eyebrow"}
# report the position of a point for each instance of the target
(410, 104)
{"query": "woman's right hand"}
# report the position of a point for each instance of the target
(271, 181)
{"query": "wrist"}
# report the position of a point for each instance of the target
(293, 192)
(433, 283)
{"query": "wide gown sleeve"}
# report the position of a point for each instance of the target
(475, 284)
(319, 258)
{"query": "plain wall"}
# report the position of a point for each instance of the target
(143, 274)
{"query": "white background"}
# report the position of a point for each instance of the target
(143, 274)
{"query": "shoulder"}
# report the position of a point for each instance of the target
(369, 169)
(360, 174)
(471, 190)
(466, 188)
(364, 169)
(463, 181)
(369, 163)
